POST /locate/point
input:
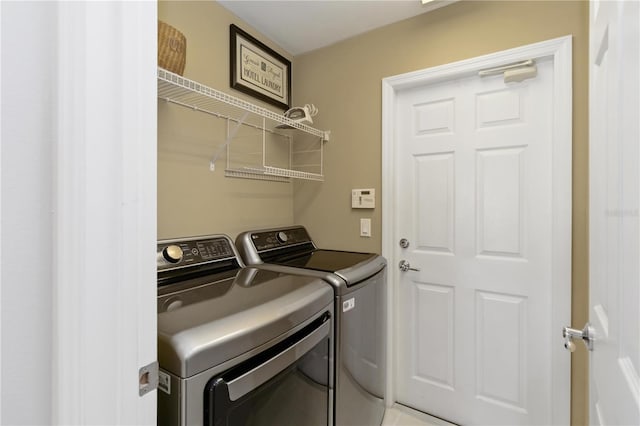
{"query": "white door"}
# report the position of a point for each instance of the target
(614, 294)
(474, 166)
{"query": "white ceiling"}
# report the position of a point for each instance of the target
(300, 26)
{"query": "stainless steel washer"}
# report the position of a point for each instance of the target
(237, 345)
(359, 283)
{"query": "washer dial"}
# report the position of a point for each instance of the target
(282, 237)
(172, 253)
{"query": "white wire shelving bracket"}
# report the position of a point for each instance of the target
(190, 94)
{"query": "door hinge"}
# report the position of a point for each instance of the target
(148, 378)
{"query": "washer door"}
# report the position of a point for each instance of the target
(326, 260)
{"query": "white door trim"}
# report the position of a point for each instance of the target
(560, 50)
(104, 222)
(1, 225)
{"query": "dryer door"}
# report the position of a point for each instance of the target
(289, 383)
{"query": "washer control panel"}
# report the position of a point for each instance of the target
(267, 240)
(180, 253)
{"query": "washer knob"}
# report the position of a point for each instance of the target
(282, 237)
(172, 253)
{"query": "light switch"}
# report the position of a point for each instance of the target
(365, 227)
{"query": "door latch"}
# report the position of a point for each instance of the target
(586, 335)
(148, 378)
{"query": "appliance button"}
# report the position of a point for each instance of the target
(172, 253)
(282, 237)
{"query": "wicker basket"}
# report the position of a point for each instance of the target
(172, 48)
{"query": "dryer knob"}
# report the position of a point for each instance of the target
(282, 237)
(172, 253)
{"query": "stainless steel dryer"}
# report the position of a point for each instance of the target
(359, 283)
(240, 346)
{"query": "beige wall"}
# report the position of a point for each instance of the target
(191, 199)
(344, 82)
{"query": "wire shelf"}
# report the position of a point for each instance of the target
(268, 127)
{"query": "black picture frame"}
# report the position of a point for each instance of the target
(258, 70)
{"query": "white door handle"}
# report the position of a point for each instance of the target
(586, 334)
(406, 266)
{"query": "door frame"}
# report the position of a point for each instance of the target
(560, 49)
(83, 268)
(104, 223)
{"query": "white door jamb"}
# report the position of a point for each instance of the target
(104, 309)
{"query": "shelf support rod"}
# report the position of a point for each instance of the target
(230, 135)
(264, 142)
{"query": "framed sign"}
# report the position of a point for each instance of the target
(259, 71)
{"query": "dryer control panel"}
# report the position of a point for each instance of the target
(268, 240)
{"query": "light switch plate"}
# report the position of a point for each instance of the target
(365, 227)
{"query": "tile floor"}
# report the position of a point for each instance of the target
(399, 415)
